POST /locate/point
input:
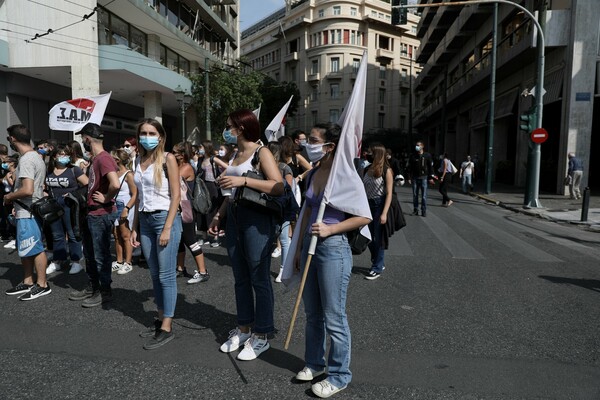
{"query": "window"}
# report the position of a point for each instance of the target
(321, 13)
(380, 120)
(404, 74)
(337, 10)
(314, 94)
(382, 71)
(353, 11)
(403, 97)
(334, 90)
(381, 96)
(293, 74)
(355, 65)
(373, 13)
(334, 115)
(314, 68)
(384, 43)
(335, 64)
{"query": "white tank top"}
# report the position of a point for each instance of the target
(124, 195)
(151, 198)
(238, 170)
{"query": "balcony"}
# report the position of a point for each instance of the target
(313, 77)
(384, 54)
(334, 75)
(292, 57)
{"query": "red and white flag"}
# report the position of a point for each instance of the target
(274, 131)
(72, 115)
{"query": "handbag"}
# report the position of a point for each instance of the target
(358, 243)
(47, 209)
(187, 215)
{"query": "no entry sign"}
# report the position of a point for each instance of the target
(539, 135)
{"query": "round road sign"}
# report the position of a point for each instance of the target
(539, 135)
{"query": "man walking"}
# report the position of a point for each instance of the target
(420, 171)
(467, 174)
(575, 173)
(102, 213)
(29, 187)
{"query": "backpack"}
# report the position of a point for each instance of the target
(201, 197)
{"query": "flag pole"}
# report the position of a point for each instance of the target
(311, 252)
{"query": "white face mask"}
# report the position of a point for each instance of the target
(315, 151)
(128, 150)
(221, 153)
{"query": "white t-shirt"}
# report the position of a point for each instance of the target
(467, 167)
(32, 166)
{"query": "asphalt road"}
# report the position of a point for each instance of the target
(476, 302)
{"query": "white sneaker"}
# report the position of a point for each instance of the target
(276, 253)
(253, 348)
(236, 338)
(52, 268)
(278, 279)
(308, 374)
(324, 389)
(125, 269)
(75, 268)
(116, 266)
(11, 245)
(215, 244)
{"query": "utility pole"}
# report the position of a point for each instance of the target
(207, 93)
(492, 114)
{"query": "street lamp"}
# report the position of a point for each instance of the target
(185, 100)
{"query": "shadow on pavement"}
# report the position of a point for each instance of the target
(591, 284)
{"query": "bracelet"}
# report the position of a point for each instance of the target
(128, 208)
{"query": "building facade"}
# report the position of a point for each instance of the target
(318, 44)
(454, 86)
(140, 50)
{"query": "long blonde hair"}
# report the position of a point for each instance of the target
(158, 157)
(379, 159)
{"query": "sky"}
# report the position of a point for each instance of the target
(252, 11)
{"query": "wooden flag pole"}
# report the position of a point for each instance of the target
(297, 305)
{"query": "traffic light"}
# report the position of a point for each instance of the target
(528, 120)
(399, 14)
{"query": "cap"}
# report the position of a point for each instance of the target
(92, 130)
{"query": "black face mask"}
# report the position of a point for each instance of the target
(87, 146)
(369, 158)
(12, 146)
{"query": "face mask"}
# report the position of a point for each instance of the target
(128, 150)
(221, 153)
(418, 148)
(303, 142)
(5, 166)
(63, 160)
(87, 147)
(86, 155)
(149, 142)
(370, 158)
(314, 151)
(201, 152)
(42, 151)
(228, 136)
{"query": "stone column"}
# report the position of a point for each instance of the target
(153, 105)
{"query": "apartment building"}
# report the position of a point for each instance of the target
(318, 44)
(454, 86)
(140, 50)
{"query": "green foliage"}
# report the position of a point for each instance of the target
(274, 96)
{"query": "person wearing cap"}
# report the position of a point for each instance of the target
(102, 189)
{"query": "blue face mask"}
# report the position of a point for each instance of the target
(42, 151)
(149, 142)
(228, 136)
(5, 166)
(63, 160)
(418, 148)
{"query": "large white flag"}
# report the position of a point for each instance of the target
(344, 190)
(274, 131)
(257, 111)
(72, 115)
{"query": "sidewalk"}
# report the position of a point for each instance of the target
(554, 207)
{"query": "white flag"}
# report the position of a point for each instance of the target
(344, 190)
(257, 111)
(72, 115)
(273, 131)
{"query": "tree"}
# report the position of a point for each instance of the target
(230, 88)
(274, 96)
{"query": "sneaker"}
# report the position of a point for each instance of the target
(182, 273)
(416, 212)
(450, 202)
(77, 295)
(372, 275)
(75, 268)
(253, 347)
(161, 337)
(324, 389)
(199, 277)
(11, 245)
(125, 269)
(99, 297)
(200, 242)
(308, 374)
(19, 289)
(36, 291)
(116, 266)
(424, 213)
(53, 267)
(221, 233)
(215, 244)
(276, 253)
(278, 279)
(151, 331)
(236, 338)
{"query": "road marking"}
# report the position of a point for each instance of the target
(455, 244)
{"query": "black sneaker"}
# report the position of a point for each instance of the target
(99, 297)
(19, 289)
(161, 338)
(372, 275)
(36, 291)
(416, 212)
(77, 295)
(423, 213)
(151, 331)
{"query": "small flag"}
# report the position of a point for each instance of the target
(72, 115)
(274, 131)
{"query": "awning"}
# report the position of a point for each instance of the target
(479, 115)
(504, 104)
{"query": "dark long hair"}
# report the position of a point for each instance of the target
(247, 123)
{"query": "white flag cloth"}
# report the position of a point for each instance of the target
(344, 190)
(72, 115)
(257, 111)
(273, 131)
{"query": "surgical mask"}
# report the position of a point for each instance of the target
(42, 151)
(63, 160)
(201, 152)
(149, 142)
(314, 151)
(5, 166)
(128, 150)
(418, 148)
(228, 136)
(303, 142)
(221, 153)
(86, 155)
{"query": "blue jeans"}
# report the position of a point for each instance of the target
(162, 260)
(96, 248)
(250, 238)
(284, 239)
(419, 183)
(466, 183)
(325, 306)
(376, 229)
(59, 229)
